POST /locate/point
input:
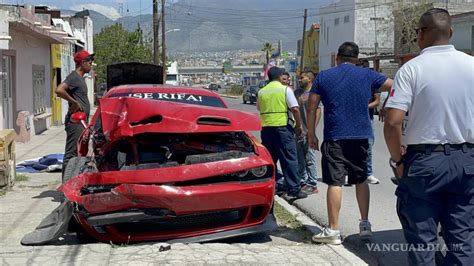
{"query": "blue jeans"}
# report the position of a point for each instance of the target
(280, 142)
(306, 163)
(438, 188)
(369, 153)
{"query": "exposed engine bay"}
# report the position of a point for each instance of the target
(157, 150)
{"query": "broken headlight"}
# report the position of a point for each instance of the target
(93, 189)
(242, 173)
(259, 171)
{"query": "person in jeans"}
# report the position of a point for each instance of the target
(375, 101)
(306, 157)
(74, 90)
(436, 172)
(345, 91)
(278, 135)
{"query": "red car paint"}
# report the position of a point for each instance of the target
(182, 191)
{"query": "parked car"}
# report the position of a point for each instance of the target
(250, 94)
(163, 163)
(214, 87)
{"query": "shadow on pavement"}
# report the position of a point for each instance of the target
(56, 195)
(383, 248)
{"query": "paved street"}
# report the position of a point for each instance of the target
(22, 209)
(385, 223)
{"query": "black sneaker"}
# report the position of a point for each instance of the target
(298, 195)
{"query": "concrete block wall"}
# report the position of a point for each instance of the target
(368, 30)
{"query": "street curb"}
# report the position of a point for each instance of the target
(229, 96)
(315, 228)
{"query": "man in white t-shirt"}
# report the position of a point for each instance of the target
(436, 184)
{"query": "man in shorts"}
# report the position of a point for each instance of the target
(344, 91)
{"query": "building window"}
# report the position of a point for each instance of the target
(39, 89)
(336, 21)
(346, 19)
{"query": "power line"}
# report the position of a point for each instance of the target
(242, 10)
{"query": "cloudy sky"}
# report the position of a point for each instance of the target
(109, 8)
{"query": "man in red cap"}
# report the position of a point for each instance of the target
(74, 90)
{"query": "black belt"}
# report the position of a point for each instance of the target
(440, 147)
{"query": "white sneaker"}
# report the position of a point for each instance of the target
(373, 180)
(365, 229)
(328, 236)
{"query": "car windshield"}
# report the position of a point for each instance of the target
(253, 89)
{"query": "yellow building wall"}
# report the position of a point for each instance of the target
(55, 69)
(311, 51)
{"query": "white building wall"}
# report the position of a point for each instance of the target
(374, 24)
(67, 66)
(85, 26)
(4, 24)
(30, 51)
(333, 33)
(4, 44)
(463, 33)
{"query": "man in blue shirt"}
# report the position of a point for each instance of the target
(344, 91)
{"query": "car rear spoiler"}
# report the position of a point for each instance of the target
(133, 73)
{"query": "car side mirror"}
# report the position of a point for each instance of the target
(79, 117)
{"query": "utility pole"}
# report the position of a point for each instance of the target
(376, 44)
(302, 41)
(156, 26)
(163, 40)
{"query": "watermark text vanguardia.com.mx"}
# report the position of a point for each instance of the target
(405, 247)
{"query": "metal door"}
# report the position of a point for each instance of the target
(7, 85)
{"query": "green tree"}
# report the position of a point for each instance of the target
(268, 50)
(406, 16)
(113, 44)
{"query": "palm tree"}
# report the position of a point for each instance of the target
(268, 49)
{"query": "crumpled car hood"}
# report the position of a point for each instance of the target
(126, 117)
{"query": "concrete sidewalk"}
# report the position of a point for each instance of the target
(23, 208)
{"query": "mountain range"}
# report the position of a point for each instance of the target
(218, 25)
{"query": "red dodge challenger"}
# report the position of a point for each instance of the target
(164, 163)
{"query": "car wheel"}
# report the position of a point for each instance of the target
(245, 102)
(73, 167)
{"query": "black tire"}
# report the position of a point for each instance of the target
(73, 167)
(245, 102)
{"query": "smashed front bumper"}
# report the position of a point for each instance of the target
(178, 204)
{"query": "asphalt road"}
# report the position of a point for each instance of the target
(382, 214)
